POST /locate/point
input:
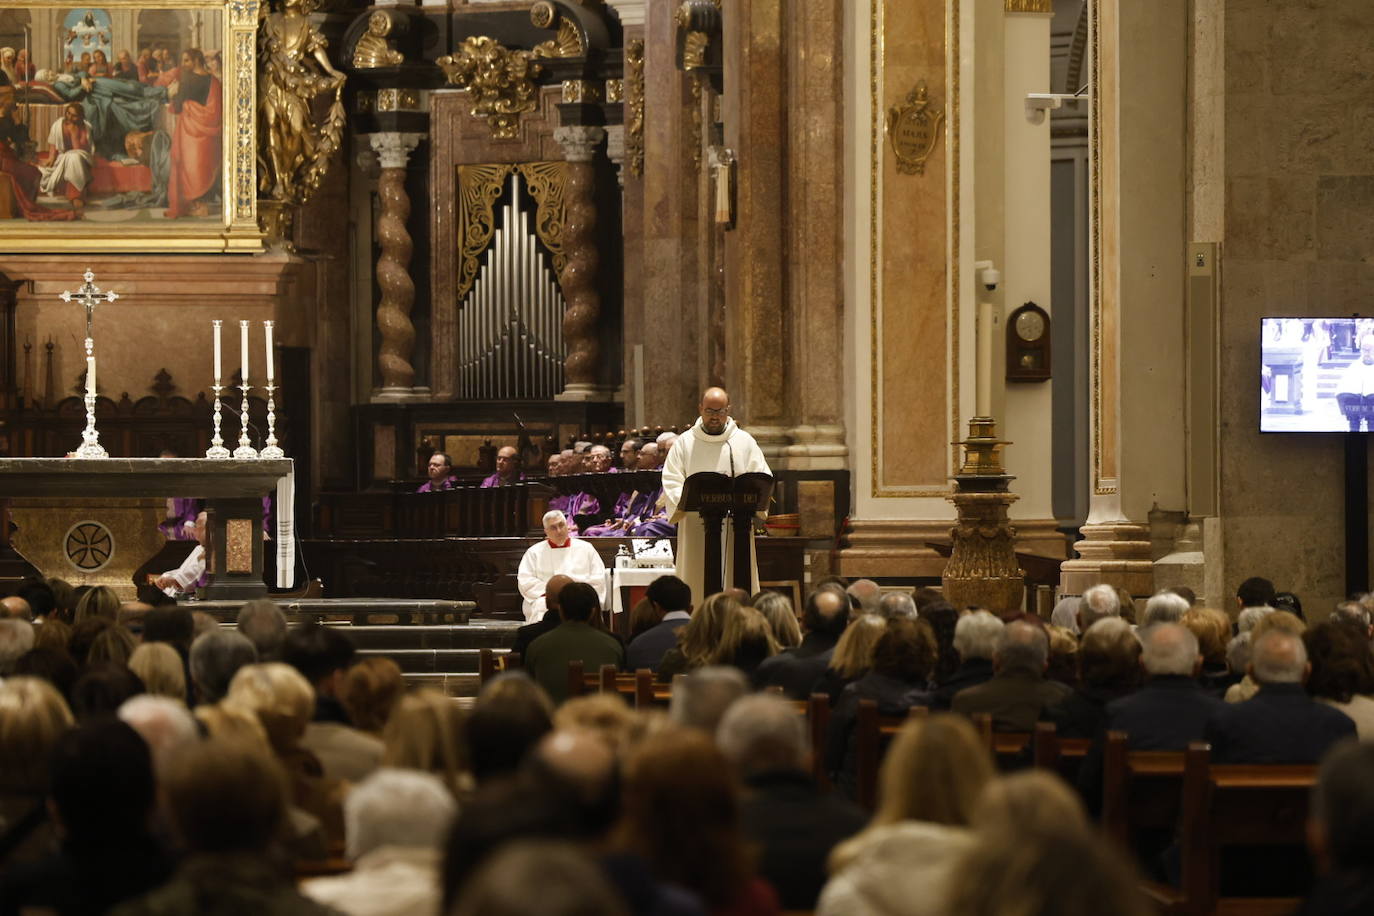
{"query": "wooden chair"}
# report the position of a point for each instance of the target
(486, 666)
(817, 726)
(1141, 790)
(577, 679)
(1058, 755)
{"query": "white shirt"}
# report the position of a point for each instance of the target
(188, 573)
(578, 561)
(1358, 378)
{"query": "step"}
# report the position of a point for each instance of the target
(462, 687)
(500, 635)
(430, 661)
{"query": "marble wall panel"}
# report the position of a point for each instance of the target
(911, 330)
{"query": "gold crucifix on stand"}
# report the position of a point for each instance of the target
(90, 295)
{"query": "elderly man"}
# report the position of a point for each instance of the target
(665, 443)
(16, 608)
(1098, 602)
(16, 638)
(1164, 606)
(215, 658)
(1280, 723)
(795, 670)
(792, 823)
(975, 639)
(897, 604)
(714, 443)
(507, 468)
(1171, 709)
(397, 823)
(867, 593)
(559, 552)
(598, 459)
(441, 477)
(1018, 690)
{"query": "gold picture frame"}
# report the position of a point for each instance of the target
(159, 193)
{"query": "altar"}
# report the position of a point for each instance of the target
(42, 497)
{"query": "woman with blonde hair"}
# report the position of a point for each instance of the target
(33, 716)
(698, 640)
(426, 732)
(929, 787)
(228, 722)
(159, 667)
(283, 701)
(853, 656)
(781, 616)
(605, 715)
(100, 601)
(745, 640)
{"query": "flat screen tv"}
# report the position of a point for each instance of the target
(1316, 375)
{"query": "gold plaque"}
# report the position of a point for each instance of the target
(238, 545)
(913, 127)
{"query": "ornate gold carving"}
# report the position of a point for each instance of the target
(694, 46)
(615, 92)
(634, 99)
(697, 123)
(498, 80)
(398, 100)
(372, 50)
(295, 149)
(479, 187)
(238, 545)
(245, 185)
(913, 128)
(244, 12)
(569, 40)
(578, 91)
(1029, 6)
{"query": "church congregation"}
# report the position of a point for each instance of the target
(686, 458)
(151, 758)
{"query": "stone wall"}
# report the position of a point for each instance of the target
(1298, 240)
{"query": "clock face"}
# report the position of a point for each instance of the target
(1030, 325)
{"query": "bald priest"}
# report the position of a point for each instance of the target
(558, 554)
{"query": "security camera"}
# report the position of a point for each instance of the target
(990, 277)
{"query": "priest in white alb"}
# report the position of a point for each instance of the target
(714, 443)
(558, 554)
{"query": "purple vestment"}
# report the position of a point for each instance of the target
(448, 483)
(495, 480)
(173, 527)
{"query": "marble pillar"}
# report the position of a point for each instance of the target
(578, 279)
(625, 147)
(393, 268)
(1137, 200)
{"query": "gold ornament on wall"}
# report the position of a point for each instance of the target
(498, 79)
(480, 186)
(372, 50)
(913, 128)
(634, 105)
(294, 148)
(544, 15)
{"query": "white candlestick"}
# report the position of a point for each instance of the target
(268, 326)
(243, 348)
(983, 390)
(90, 375)
(218, 372)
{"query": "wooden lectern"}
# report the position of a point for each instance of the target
(714, 496)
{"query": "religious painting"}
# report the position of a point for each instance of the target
(128, 126)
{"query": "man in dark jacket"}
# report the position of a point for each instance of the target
(796, 670)
(1018, 690)
(1171, 709)
(553, 616)
(673, 598)
(1281, 723)
(792, 822)
(975, 639)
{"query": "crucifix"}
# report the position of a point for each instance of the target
(90, 295)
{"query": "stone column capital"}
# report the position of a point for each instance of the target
(579, 141)
(393, 148)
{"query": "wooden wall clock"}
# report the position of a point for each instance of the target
(1028, 344)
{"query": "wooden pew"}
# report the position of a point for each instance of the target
(1141, 790)
(873, 732)
(1062, 756)
(1237, 805)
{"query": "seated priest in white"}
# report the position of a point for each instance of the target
(187, 576)
(558, 554)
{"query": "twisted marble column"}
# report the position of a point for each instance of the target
(393, 266)
(578, 278)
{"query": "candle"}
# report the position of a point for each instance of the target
(90, 375)
(268, 326)
(983, 390)
(243, 348)
(218, 372)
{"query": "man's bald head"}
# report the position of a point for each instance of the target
(552, 588)
(715, 410)
(648, 456)
(15, 608)
(827, 611)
